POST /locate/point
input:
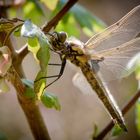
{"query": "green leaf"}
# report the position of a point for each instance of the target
(138, 116)
(59, 5)
(51, 4)
(39, 46)
(33, 46)
(43, 57)
(37, 41)
(40, 52)
(3, 136)
(5, 25)
(40, 84)
(87, 21)
(67, 25)
(65, 19)
(117, 130)
(17, 32)
(95, 132)
(29, 92)
(32, 10)
(43, 53)
(12, 12)
(3, 86)
(50, 101)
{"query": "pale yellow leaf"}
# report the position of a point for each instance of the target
(51, 4)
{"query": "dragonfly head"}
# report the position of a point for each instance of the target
(61, 36)
(57, 40)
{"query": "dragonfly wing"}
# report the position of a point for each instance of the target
(114, 64)
(124, 30)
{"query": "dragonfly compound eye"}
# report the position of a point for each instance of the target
(62, 36)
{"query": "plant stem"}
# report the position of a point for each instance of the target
(125, 109)
(29, 106)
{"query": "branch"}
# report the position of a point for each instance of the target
(21, 53)
(125, 109)
(52, 23)
(29, 107)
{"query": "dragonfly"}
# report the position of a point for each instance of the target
(112, 48)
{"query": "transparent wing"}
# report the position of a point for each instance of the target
(115, 60)
(124, 30)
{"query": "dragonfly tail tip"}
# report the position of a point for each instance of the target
(124, 128)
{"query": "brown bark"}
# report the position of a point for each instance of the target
(29, 106)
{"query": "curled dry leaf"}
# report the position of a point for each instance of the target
(5, 60)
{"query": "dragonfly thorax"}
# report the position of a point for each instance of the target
(75, 54)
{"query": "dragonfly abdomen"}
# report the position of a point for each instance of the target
(102, 94)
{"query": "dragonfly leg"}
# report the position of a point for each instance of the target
(60, 73)
(53, 64)
(53, 76)
(58, 76)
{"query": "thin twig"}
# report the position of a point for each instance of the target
(54, 21)
(125, 109)
(47, 27)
